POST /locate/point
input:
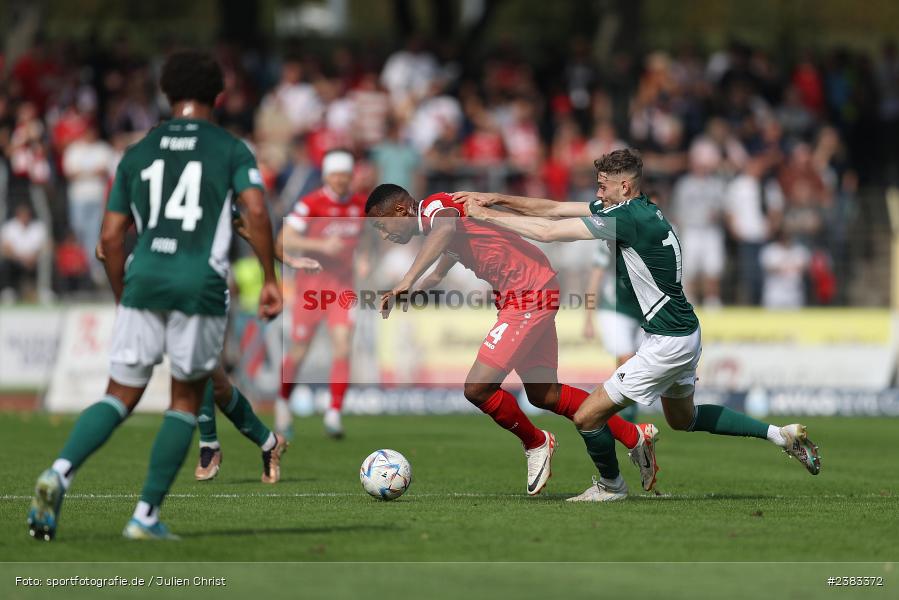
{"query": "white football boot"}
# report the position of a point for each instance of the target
(601, 491)
(644, 455)
(333, 424)
(540, 464)
(801, 448)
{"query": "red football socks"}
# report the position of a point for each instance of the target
(571, 398)
(503, 408)
(624, 431)
(340, 381)
(287, 374)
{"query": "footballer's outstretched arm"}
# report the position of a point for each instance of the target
(534, 228)
(310, 265)
(294, 240)
(535, 207)
(442, 232)
(112, 247)
(438, 240)
(443, 267)
(259, 228)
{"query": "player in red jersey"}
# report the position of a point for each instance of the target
(523, 338)
(324, 225)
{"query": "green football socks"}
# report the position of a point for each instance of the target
(168, 453)
(724, 421)
(601, 448)
(240, 412)
(93, 427)
(206, 418)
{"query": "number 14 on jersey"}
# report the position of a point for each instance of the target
(184, 203)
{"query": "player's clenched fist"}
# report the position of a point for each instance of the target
(270, 301)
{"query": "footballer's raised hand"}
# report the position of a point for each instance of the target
(302, 263)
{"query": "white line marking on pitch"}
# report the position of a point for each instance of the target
(424, 495)
(272, 495)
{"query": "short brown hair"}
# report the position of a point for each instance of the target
(620, 161)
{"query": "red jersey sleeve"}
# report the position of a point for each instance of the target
(296, 220)
(437, 204)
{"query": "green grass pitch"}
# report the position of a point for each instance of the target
(725, 500)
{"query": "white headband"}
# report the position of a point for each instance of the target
(337, 162)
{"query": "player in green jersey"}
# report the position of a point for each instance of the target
(235, 406)
(176, 186)
(232, 402)
(620, 324)
(648, 260)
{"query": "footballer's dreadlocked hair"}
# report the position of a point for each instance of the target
(383, 194)
(620, 161)
(191, 75)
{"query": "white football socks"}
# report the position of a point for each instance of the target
(64, 469)
(146, 514)
(269, 443)
(776, 437)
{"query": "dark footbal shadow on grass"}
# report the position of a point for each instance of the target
(280, 531)
(258, 482)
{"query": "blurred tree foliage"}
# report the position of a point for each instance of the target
(537, 26)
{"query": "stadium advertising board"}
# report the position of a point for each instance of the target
(29, 338)
(835, 361)
(81, 372)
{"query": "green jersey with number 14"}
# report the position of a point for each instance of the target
(648, 263)
(178, 184)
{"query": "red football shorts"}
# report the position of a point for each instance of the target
(522, 339)
(321, 298)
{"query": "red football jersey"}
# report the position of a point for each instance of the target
(500, 257)
(322, 214)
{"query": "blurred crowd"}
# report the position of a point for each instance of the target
(756, 160)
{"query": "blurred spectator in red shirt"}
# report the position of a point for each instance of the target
(807, 80)
(72, 265)
(37, 72)
(484, 145)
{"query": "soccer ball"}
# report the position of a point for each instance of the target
(385, 474)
